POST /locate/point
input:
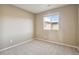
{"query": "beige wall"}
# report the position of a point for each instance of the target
(17, 25)
(78, 28)
(68, 26)
(0, 26)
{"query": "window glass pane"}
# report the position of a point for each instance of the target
(47, 19)
(55, 27)
(51, 22)
(55, 18)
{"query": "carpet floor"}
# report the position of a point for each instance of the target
(37, 47)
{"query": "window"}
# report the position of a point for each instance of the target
(51, 22)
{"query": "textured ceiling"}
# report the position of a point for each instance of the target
(37, 8)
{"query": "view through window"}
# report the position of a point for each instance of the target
(51, 22)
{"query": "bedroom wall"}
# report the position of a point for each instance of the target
(17, 25)
(0, 25)
(78, 28)
(68, 26)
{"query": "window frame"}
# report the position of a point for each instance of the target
(52, 14)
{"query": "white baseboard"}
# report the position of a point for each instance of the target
(59, 43)
(16, 45)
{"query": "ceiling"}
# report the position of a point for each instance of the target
(38, 8)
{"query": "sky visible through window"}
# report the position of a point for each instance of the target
(51, 18)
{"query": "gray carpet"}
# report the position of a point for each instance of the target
(37, 47)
